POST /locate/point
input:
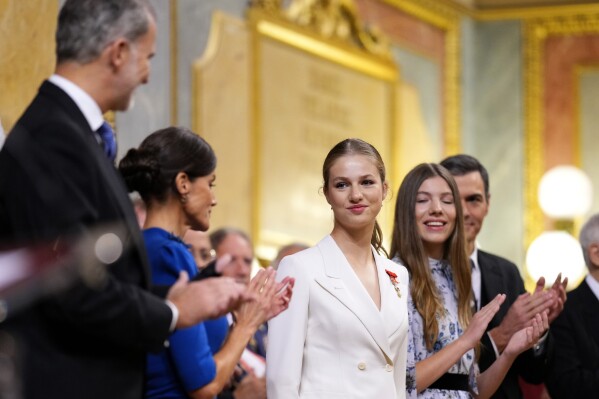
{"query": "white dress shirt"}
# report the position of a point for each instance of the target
(88, 106)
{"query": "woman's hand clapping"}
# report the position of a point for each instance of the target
(271, 298)
(480, 321)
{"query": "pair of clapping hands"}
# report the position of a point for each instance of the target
(213, 297)
(527, 305)
(527, 319)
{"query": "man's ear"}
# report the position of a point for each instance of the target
(118, 53)
(182, 183)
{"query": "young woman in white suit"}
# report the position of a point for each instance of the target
(428, 238)
(344, 334)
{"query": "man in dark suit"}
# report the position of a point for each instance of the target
(492, 275)
(574, 371)
(56, 185)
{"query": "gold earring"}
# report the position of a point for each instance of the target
(184, 198)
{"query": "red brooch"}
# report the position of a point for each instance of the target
(393, 278)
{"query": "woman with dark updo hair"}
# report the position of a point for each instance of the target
(173, 171)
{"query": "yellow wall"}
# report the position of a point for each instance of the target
(27, 31)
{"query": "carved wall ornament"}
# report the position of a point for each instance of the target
(330, 19)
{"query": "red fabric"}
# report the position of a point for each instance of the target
(533, 391)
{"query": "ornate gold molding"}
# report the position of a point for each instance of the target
(534, 35)
(579, 71)
(528, 13)
(446, 18)
(520, 13)
(442, 14)
(536, 32)
(336, 20)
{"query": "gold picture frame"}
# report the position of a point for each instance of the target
(308, 93)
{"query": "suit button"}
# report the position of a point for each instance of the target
(361, 366)
(388, 367)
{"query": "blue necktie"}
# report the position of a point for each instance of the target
(108, 141)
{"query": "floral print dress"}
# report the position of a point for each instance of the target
(449, 330)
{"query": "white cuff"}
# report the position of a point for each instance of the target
(494, 346)
(175, 315)
(539, 347)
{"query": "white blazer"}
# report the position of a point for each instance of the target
(333, 342)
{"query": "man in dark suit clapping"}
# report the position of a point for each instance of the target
(574, 372)
(492, 275)
(57, 183)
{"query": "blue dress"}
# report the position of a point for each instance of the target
(217, 330)
(187, 363)
(449, 330)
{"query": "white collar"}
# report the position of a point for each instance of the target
(88, 106)
(474, 258)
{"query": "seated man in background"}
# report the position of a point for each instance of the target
(200, 247)
(574, 371)
(236, 244)
(251, 383)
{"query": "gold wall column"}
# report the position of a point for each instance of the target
(446, 18)
(27, 53)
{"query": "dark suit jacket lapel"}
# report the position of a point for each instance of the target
(491, 284)
(590, 310)
(341, 282)
(117, 190)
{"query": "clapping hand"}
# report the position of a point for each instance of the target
(480, 321)
(558, 291)
(528, 336)
(522, 312)
(263, 287)
(210, 298)
(281, 300)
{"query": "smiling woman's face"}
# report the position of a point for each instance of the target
(435, 215)
(355, 191)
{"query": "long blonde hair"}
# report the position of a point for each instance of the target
(406, 244)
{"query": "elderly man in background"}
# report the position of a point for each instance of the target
(236, 247)
(287, 250)
(574, 371)
(200, 247)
